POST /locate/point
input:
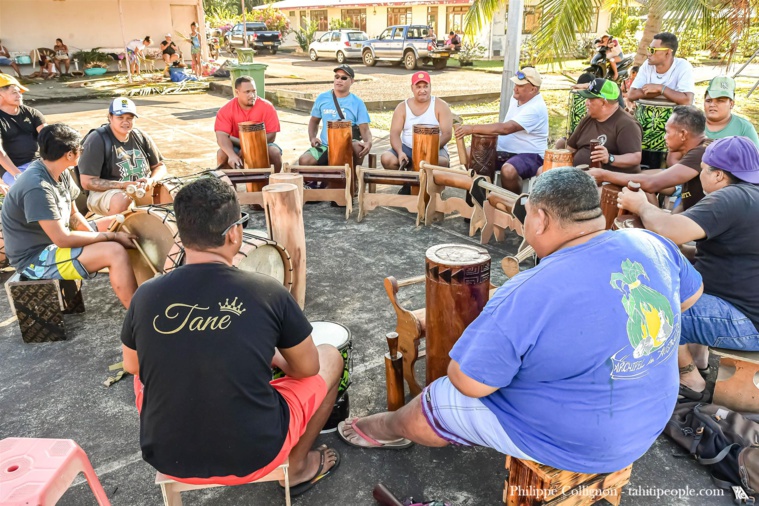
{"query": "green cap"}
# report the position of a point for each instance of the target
(601, 88)
(721, 86)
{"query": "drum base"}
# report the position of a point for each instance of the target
(340, 412)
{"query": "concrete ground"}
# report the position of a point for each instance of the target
(56, 390)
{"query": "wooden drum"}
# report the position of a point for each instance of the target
(340, 152)
(609, 207)
(483, 154)
(554, 158)
(284, 221)
(457, 287)
(425, 148)
(264, 256)
(254, 149)
(165, 190)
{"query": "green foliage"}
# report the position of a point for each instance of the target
(274, 19)
(305, 36)
(470, 51)
(93, 57)
(223, 17)
(337, 24)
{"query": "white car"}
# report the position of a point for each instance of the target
(338, 44)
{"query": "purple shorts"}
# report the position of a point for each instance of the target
(464, 421)
(526, 164)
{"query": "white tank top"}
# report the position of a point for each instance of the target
(426, 118)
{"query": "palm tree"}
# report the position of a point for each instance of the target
(725, 22)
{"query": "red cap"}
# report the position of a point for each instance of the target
(420, 76)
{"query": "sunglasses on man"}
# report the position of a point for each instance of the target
(653, 50)
(242, 221)
(342, 78)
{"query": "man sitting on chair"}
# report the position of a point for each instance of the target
(45, 235)
(115, 156)
(685, 138)
(523, 135)
(422, 109)
(609, 369)
(246, 106)
(620, 135)
(216, 331)
(723, 224)
(662, 75)
(326, 108)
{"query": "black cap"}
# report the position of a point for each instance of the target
(347, 69)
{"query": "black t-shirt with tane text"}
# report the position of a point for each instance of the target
(19, 135)
(205, 336)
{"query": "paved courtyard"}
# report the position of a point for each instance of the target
(56, 389)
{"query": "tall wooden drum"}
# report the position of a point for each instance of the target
(554, 158)
(254, 149)
(340, 152)
(425, 148)
(284, 221)
(483, 154)
(457, 286)
(609, 207)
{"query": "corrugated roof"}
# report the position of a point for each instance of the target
(324, 4)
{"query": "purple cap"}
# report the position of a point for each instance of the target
(736, 155)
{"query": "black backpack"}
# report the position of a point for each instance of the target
(107, 137)
(724, 441)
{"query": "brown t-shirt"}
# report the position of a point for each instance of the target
(692, 190)
(620, 133)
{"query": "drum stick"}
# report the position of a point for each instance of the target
(142, 252)
(460, 146)
(633, 187)
(383, 496)
(411, 281)
(498, 190)
(510, 264)
(117, 220)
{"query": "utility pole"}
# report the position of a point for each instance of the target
(513, 50)
(244, 26)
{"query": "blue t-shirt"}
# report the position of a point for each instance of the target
(583, 349)
(353, 109)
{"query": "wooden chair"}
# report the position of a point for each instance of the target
(737, 391)
(433, 180)
(531, 484)
(338, 180)
(369, 199)
(171, 489)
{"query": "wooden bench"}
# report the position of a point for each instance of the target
(40, 306)
(737, 391)
(531, 484)
(171, 489)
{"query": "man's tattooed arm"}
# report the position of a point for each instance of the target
(100, 185)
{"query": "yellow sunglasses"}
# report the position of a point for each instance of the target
(653, 50)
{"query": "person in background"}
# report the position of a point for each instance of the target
(62, 58)
(719, 100)
(135, 50)
(197, 65)
(169, 52)
(662, 75)
(6, 60)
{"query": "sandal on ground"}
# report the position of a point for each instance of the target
(706, 371)
(301, 488)
(397, 444)
(688, 394)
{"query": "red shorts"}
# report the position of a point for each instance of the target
(303, 397)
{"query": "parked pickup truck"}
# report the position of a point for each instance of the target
(407, 44)
(258, 37)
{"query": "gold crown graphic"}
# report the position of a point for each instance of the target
(232, 307)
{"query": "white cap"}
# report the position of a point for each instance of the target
(121, 106)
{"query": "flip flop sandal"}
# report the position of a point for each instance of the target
(706, 371)
(398, 444)
(301, 488)
(688, 394)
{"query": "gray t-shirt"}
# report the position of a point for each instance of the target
(129, 160)
(35, 196)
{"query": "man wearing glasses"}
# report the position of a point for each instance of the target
(523, 135)
(246, 106)
(663, 76)
(335, 105)
(201, 342)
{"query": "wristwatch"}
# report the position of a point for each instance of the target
(611, 159)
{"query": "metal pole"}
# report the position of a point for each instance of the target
(244, 26)
(123, 36)
(513, 48)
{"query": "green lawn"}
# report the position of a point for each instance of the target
(556, 100)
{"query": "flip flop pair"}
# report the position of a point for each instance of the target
(301, 488)
(397, 444)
